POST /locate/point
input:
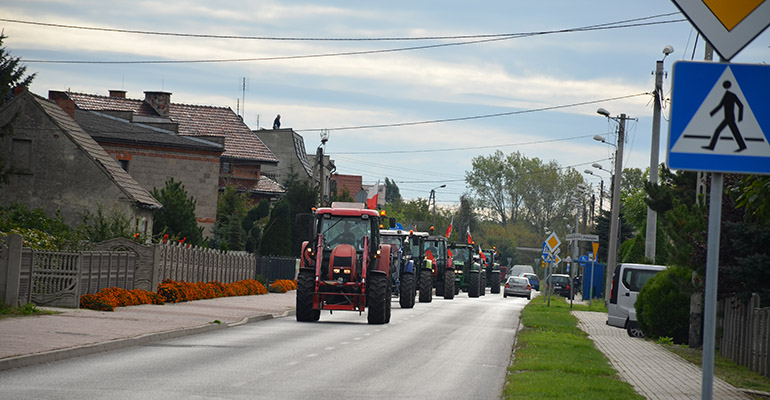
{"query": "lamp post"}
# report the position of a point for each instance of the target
(320, 155)
(601, 188)
(615, 210)
(433, 198)
(652, 216)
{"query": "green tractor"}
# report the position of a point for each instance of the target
(492, 276)
(468, 269)
(437, 270)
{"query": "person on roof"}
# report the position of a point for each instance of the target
(277, 122)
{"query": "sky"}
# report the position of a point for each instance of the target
(509, 93)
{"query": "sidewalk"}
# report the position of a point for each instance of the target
(45, 338)
(653, 371)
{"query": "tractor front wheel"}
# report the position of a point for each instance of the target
(305, 289)
(426, 286)
(494, 282)
(449, 284)
(406, 290)
(376, 293)
(474, 284)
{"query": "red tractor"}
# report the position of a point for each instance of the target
(344, 266)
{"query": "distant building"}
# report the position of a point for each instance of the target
(244, 153)
(53, 164)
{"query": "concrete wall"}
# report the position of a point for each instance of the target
(199, 173)
(49, 171)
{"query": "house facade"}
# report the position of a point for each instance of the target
(51, 163)
(244, 155)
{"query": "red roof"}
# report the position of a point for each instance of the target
(240, 141)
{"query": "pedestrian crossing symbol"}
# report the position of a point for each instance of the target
(720, 118)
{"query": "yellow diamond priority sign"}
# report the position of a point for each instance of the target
(729, 25)
(552, 242)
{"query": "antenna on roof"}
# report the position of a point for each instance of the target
(243, 91)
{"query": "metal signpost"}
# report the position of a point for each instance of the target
(713, 127)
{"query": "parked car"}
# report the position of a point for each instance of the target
(561, 284)
(517, 286)
(627, 281)
(534, 281)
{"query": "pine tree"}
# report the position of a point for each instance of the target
(177, 217)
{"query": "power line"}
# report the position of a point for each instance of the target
(493, 146)
(474, 117)
(327, 39)
(355, 53)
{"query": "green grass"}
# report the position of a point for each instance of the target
(22, 311)
(554, 359)
(726, 369)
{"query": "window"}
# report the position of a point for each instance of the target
(634, 279)
(226, 167)
(123, 164)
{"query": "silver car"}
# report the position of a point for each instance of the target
(517, 286)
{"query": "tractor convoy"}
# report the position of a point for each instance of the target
(352, 261)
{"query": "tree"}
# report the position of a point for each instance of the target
(177, 217)
(487, 180)
(392, 194)
(228, 230)
(276, 240)
(300, 196)
(11, 73)
(466, 219)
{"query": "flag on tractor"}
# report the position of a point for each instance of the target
(481, 254)
(449, 229)
(468, 231)
(371, 196)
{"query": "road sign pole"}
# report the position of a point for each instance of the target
(712, 273)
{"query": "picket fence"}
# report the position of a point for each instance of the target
(746, 333)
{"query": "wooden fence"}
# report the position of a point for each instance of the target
(746, 333)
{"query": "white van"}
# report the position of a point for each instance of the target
(627, 281)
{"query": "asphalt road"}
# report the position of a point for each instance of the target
(457, 349)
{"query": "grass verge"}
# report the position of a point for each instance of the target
(725, 369)
(554, 359)
(22, 311)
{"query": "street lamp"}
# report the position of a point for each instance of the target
(615, 210)
(652, 216)
(320, 155)
(433, 198)
(601, 187)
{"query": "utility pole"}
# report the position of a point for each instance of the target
(615, 211)
(320, 155)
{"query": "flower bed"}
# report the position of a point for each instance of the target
(169, 292)
(283, 285)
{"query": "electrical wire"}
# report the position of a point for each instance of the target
(354, 53)
(330, 39)
(474, 117)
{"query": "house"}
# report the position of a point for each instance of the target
(153, 155)
(289, 147)
(51, 163)
(244, 153)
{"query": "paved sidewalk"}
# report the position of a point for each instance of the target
(653, 371)
(45, 338)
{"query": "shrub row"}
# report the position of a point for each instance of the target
(169, 292)
(283, 285)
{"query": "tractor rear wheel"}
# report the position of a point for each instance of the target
(376, 293)
(426, 286)
(388, 300)
(474, 284)
(406, 290)
(449, 284)
(484, 283)
(494, 282)
(305, 289)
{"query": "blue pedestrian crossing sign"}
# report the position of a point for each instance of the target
(720, 118)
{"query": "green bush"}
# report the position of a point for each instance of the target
(663, 305)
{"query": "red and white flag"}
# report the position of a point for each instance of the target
(468, 231)
(449, 229)
(371, 196)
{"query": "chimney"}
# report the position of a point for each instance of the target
(120, 94)
(63, 101)
(159, 101)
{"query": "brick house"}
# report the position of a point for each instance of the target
(244, 153)
(53, 164)
(153, 155)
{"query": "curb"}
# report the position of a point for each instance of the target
(62, 354)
